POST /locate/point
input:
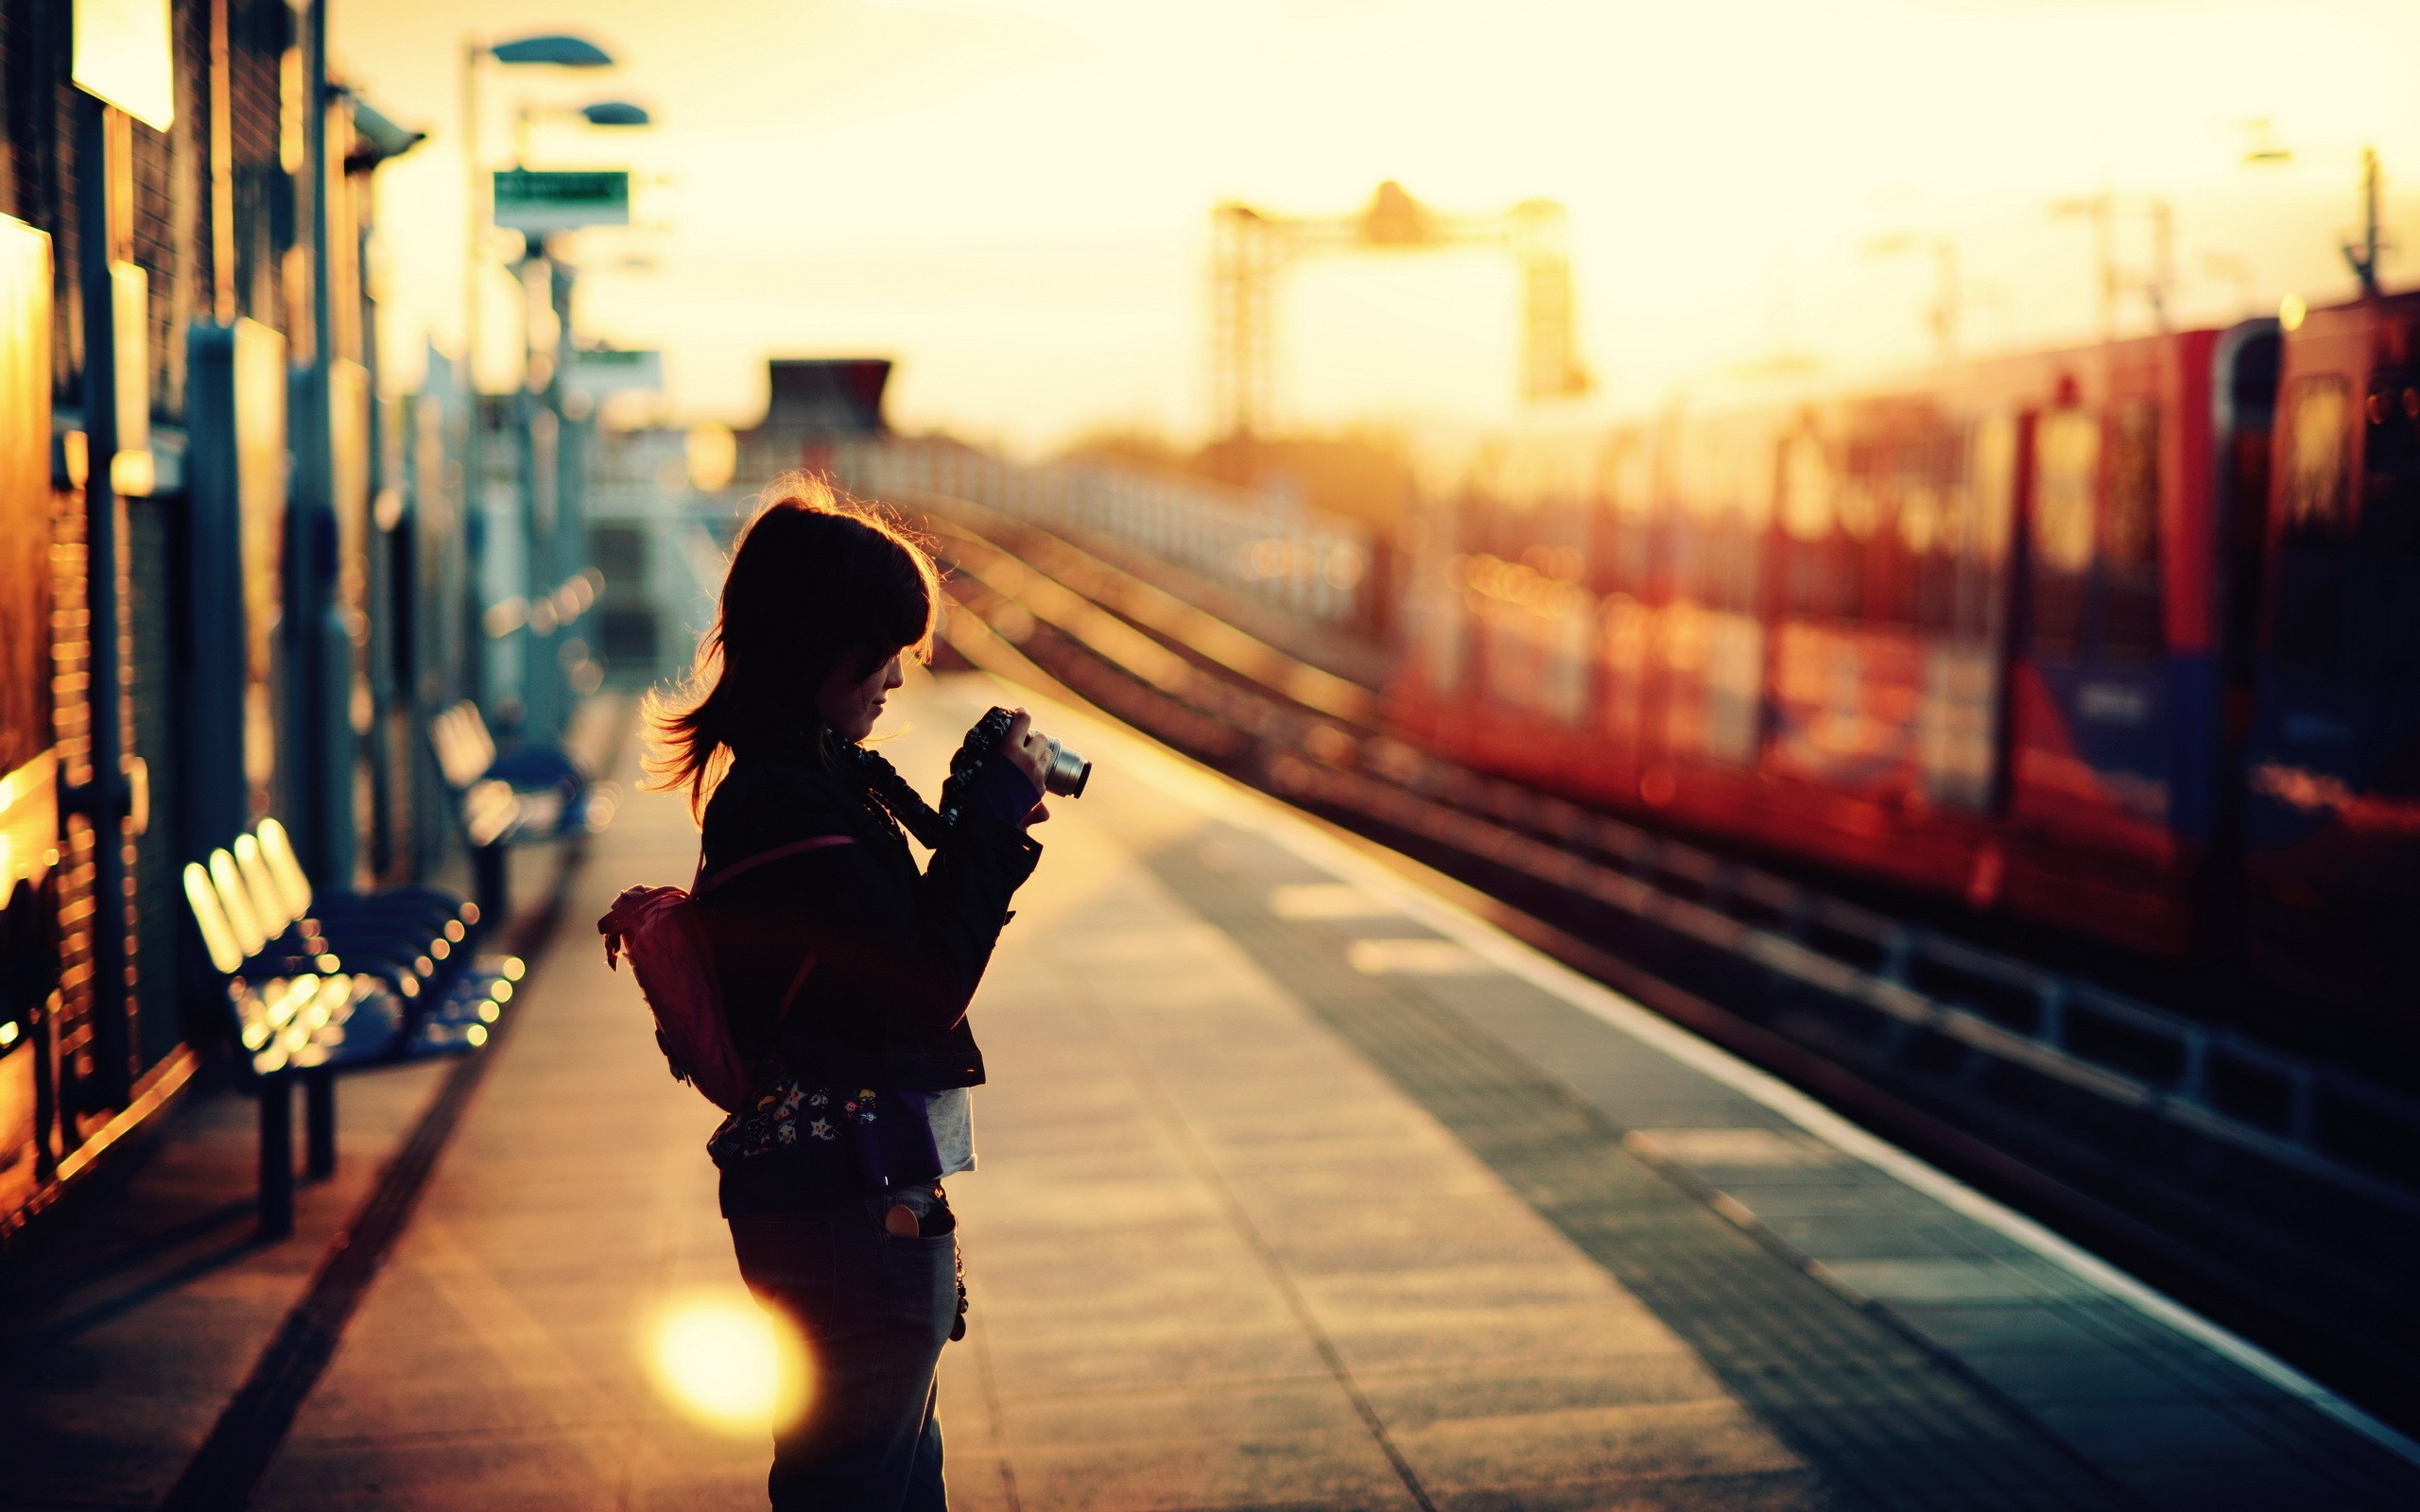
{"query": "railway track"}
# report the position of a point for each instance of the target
(2277, 1194)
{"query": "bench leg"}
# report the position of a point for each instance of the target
(277, 1157)
(491, 885)
(319, 1124)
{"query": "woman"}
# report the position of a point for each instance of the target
(846, 971)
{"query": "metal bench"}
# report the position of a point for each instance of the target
(536, 793)
(322, 981)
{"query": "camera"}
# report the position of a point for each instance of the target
(1063, 772)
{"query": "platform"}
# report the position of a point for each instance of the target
(1299, 1189)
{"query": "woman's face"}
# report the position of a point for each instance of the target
(850, 704)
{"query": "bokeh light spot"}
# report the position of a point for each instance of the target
(727, 1364)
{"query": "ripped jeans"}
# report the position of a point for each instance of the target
(874, 1309)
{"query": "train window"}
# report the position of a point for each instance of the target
(1807, 487)
(1990, 509)
(2131, 614)
(1929, 526)
(1811, 585)
(1991, 487)
(1917, 540)
(2313, 559)
(1632, 484)
(2066, 466)
(1857, 507)
(2316, 464)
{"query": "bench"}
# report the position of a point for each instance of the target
(535, 793)
(317, 982)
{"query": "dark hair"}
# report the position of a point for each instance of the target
(817, 584)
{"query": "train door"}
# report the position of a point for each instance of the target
(29, 816)
(1619, 554)
(2332, 820)
(1959, 576)
(2092, 761)
(1847, 665)
(1709, 637)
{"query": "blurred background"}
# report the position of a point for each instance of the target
(1012, 198)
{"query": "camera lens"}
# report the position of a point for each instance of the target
(1066, 773)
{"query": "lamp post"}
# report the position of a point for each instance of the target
(2360, 256)
(551, 51)
(555, 458)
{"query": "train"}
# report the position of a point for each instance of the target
(2121, 640)
(241, 571)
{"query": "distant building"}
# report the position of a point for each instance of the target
(814, 403)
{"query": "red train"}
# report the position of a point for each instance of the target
(2124, 639)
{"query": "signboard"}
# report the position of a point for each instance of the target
(603, 371)
(122, 52)
(539, 202)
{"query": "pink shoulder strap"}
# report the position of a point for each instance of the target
(778, 852)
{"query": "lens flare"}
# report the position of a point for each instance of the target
(727, 1362)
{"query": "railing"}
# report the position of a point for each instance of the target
(1261, 543)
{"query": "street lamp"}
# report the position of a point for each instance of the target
(551, 51)
(2361, 256)
(559, 51)
(555, 459)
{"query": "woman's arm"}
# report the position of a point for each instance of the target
(891, 955)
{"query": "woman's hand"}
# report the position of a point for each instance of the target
(1028, 751)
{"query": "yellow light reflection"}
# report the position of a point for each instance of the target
(727, 1364)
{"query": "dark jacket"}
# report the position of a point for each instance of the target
(883, 959)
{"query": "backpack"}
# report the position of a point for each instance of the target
(658, 928)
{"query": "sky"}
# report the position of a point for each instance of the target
(1012, 198)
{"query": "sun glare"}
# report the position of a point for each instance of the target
(727, 1364)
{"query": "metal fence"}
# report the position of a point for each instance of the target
(1265, 545)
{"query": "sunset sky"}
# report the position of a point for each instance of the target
(1012, 198)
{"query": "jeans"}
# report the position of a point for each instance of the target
(874, 1310)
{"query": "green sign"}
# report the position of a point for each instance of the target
(612, 369)
(538, 202)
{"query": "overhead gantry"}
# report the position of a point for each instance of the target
(1253, 249)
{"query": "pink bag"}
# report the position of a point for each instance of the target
(658, 928)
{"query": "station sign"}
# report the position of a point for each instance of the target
(603, 371)
(537, 201)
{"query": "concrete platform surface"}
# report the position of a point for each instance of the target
(1299, 1189)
